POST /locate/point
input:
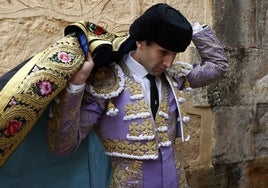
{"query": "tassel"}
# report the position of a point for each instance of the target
(111, 111)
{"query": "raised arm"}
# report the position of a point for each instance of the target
(213, 63)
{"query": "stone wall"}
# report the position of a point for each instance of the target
(228, 128)
(29, 26)
(241, 120)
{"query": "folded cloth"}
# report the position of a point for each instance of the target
(27, 89)
(33, 165)
(105, 46)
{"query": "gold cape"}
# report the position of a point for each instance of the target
(25, 96)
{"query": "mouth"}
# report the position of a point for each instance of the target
(161, 69)
(158, 71)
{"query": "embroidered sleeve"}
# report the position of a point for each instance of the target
(179, 72)
(71, 122)
(213, 63)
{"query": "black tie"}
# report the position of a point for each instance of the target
(154, 94)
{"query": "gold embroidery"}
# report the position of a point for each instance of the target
(141, 131)
(54, 128)
(97, 36)
(26, 95)
(164, 106)
(141, 126)
(160, 120)
(135, 89)
(163, 137)
(186, 129)
(163, 121)
(135, 109)
(182, 180)
(105, 82)
(126, 173)
(136, 150)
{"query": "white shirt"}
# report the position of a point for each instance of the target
(139, 72)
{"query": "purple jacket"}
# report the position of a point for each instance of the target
(114, 103)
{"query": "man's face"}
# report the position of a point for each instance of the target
(153, 57)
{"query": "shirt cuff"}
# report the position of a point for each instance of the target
(75, 88)
(197, 27)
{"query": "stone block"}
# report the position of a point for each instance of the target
(225, 92)
(233, 133)
(208, 177)
(261, 22)
(234, 21)
(261, 130)
(197, 152)
(241, 23)
(246, 81)
(255, 173)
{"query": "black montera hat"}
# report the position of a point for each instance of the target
(164, 25)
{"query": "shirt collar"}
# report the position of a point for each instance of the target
(135, 67)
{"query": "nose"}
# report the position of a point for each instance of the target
(168, 61)
(167, 64)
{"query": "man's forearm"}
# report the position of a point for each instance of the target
(63, 127)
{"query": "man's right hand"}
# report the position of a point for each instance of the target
(80, 77)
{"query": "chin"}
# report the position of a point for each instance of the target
(157, 73)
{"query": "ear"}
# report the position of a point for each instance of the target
(139, 44)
